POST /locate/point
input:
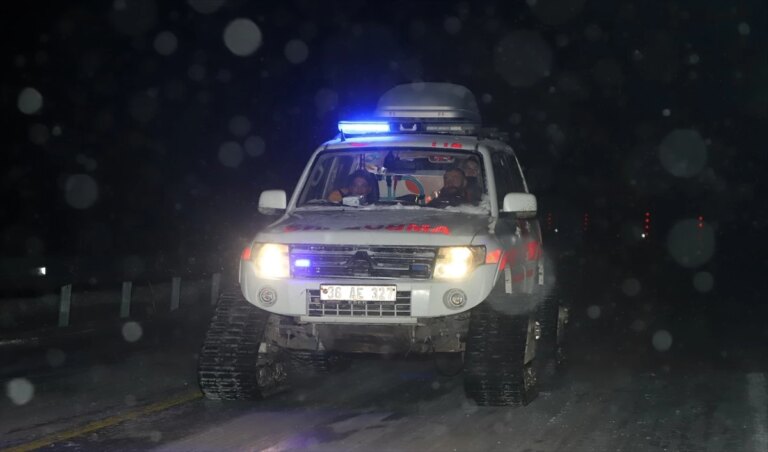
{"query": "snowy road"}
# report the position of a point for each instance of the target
(612, 399)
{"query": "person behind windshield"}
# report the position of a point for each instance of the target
(471, 168)
(359, 183)
(454, 191)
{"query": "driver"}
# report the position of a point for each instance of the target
(359, 183)
(454, 189)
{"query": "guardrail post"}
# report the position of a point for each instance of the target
(215, 287)
(125, 302)
(64, 303)
(175, 292)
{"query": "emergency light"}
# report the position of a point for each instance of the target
(421, 126)
(362, 127)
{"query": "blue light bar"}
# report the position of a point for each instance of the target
(301, 263)
(363, 127)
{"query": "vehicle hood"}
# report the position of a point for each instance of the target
(422, 227)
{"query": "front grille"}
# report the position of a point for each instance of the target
(348, 261)
(401, 307)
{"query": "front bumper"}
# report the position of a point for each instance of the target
(425, 296)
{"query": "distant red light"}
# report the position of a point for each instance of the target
(246, 256)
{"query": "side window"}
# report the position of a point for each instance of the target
(507, 175)
(501, 175)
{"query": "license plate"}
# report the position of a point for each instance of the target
(357, 293)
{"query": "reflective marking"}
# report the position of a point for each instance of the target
(105, 423)
(758, 400)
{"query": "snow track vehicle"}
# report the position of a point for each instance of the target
(413, 231)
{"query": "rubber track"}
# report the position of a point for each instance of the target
(550, 354)
(230, 354)
(305, 363)
(494, 369)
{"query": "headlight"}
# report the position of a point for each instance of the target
(457, 262)
(271, 260)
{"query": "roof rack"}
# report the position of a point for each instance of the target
(493, 133)
(434, 108)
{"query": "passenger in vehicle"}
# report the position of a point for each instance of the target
(471, 168)
(359, 183)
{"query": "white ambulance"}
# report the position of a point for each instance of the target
(412, 231)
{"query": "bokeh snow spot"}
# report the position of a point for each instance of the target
(239, 126)
(55, 357)
(254, 146)
(206, 6)
(230, 154)
(20, 391)
(81, 191)
(88, 163)
(196, 72)
(593, 312)
(703, 281)
(556, 12)
(130, 400)
(744, 29)
(39, 134)
(683, 153)
(143, 107)
(690, 244)
(296, 51)
(593, 32)
(30, 101)
(452, 25)
(242, 37)
(56, 131)
(435, 385)
(486, 98)
(326, 100)
(134, 18)
(630, 287)
(662, 340)
(224, 76)
(132, 331)
(666, 112)
(155, 436)
(522, 58)
(166, 43)
(638, 325)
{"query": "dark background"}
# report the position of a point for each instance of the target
(135, 153)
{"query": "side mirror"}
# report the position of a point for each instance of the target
(522, 204)
(272, 202)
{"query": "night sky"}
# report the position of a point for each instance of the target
(145, 127)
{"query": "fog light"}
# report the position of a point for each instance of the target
(455, 298)
(267, 296)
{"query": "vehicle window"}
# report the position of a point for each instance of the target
(507, 176)
(396, 176)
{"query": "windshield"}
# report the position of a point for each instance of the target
(396, 177)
